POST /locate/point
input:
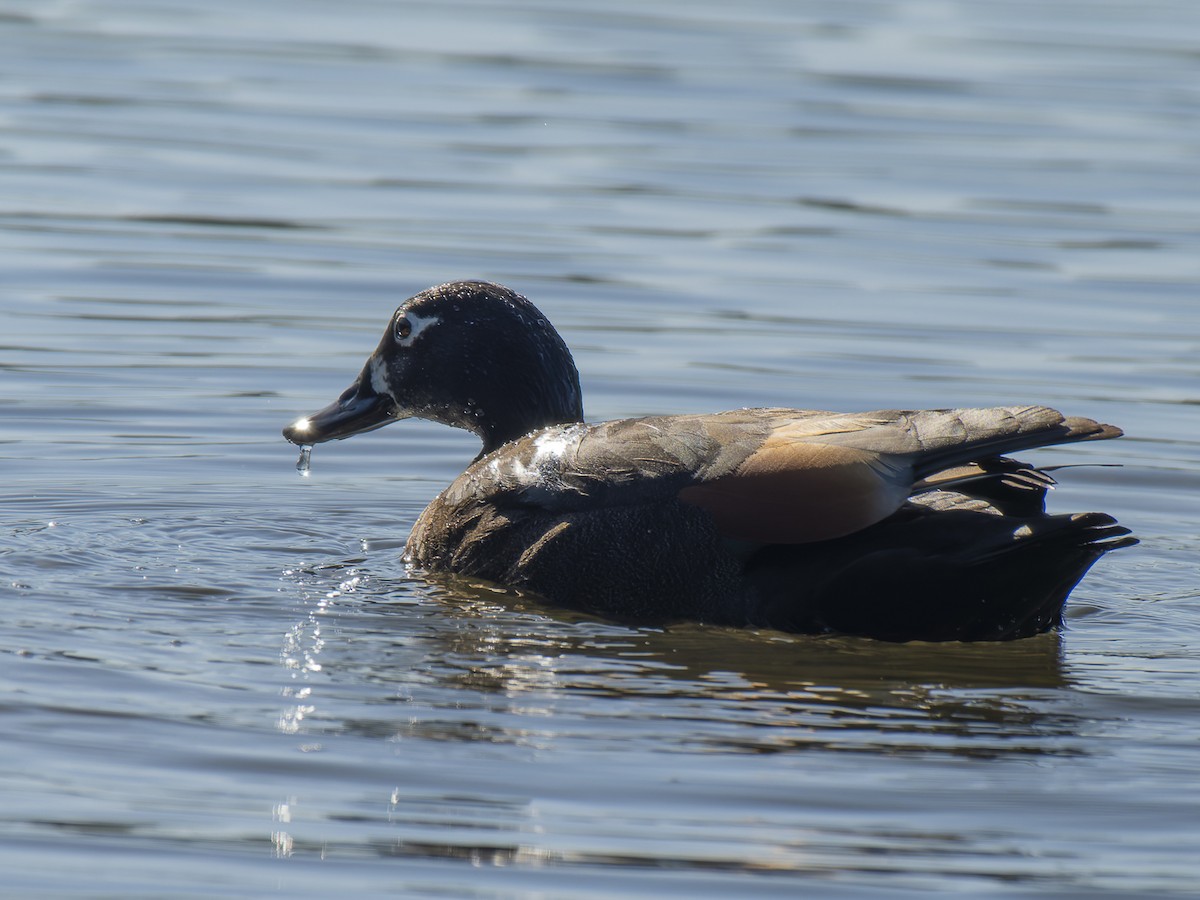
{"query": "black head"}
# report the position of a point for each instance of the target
(471, 354)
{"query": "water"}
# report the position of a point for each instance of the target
(220, 679)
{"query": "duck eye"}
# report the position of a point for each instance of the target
(403, 328)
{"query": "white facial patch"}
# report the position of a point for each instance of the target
(379, 382)
(419, 324)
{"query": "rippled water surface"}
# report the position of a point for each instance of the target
(219, 679)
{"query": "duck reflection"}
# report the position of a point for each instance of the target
(468, 662)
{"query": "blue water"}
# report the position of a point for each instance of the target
(220, 680)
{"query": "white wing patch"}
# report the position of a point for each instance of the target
(539, 471)
(553, 443)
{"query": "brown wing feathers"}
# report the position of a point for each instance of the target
(797, 492)
(938, 439)
(821, 476)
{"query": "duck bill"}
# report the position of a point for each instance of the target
(360, 408)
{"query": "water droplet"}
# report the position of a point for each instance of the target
(302, 464)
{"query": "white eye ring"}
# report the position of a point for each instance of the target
(410, 326)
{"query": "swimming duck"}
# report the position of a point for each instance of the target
(893, 524)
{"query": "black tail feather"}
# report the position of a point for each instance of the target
(957, 575)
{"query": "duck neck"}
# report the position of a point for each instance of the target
(519, 379)
(519, 419)
(497, 438)
(538, 403)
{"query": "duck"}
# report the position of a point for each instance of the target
(896, 525)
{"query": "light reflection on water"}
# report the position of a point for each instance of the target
(221, 676)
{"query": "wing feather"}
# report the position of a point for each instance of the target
(764, 475)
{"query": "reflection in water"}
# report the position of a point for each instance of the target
(528, 674)
(445, 671)
(302, 645)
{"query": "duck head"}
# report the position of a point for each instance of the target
(470, 354)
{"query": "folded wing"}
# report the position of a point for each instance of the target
(764, 475)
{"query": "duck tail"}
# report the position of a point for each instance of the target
(952, 437)
(944, 575)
